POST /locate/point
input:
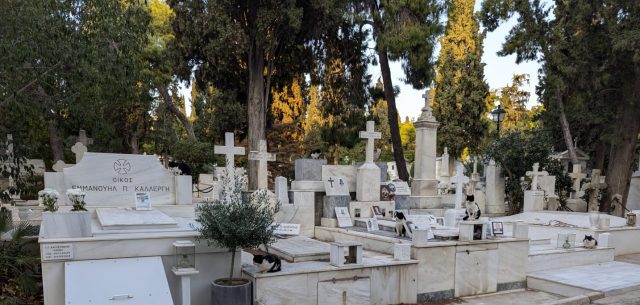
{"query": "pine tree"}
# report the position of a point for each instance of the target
(459, 102)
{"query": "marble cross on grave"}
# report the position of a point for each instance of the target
(475, 176)
(577, 177)
(263, 157)
(370, 134)
(427, 114)
(595, 186)
(459, 179)
(534, 175)
(229, 151)
(82, 138)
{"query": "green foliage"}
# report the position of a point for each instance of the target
(20, 271)
(460, 91)
(237, 220)
(408, 136)
(198, 155)
(516, 152)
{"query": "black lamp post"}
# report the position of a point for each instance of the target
(497, 115)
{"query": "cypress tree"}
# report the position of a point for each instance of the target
(460, 90)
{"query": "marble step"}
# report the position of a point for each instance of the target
(542, 241)
(610, 278)
(547, 257)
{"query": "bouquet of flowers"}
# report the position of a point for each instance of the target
(77, 199)
(49, 199)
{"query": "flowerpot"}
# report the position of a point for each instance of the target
(224, 294)
(594, 219)
(66, 224)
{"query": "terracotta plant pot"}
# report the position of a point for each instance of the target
(238, 293)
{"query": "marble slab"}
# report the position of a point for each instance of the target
(609, 277)
(347, 171)
(476, 272)
(301, 248)
(309, 169)
(125, 219)
(336, 186)
(112, 179)
(345, 291)
(576, 219)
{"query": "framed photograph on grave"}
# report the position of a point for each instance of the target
(377, 212)
(440, 221)
(356, 213)
(344, 220)
(497, 228)
(143, 201)
(372, 224)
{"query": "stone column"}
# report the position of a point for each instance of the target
(495, 189)
(424, 182)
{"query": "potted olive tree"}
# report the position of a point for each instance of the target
(234, 222)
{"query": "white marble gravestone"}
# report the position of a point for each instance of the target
(368, 176)
(424, 182)
(262, 156)
(121, 219)
(113, 180)
(282, 190)
(230, 152)
(336, 186)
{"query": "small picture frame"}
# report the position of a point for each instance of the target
(372, 224)
(377, 212)
(440, 221)
(356, 213)
(497, 228)
(143, 201)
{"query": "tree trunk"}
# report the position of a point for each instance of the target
(256, 108)
(623, 149)
(396, 141)
(566, 131)
(55, 141)
(233, 260)
(186, 124)
(600, 155)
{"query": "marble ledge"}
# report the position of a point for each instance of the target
(430, 244)
(320, 266)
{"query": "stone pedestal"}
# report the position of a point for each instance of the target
(633, 199)
(495, 189)
(184, 190)
(402, 252)
(577, 205)
(309, 169)
(424, 187)
(420, 237)
(402, 202)
(330, 203)
(368, 183)
(473, 230)
(426, 202)
(282, 190)
(354, 254)
(520, 229)
(533, 201)
(452, 217)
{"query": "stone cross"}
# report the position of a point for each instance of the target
(475, 176)
(229, 151)
(534, 175)
(263, 157)
(577, 177)
(82, 138)
(595, 186)
(370, 134)
(79, 149)
(460, 179)
(59, 166)
(427, 114)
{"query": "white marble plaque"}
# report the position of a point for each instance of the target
(344, 219)
(336, 185)
(401, 188)
(51, 252)
(112, 179)
(372, 224)
(287, 229)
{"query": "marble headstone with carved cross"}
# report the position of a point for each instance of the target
(368, 175)
(262, 156)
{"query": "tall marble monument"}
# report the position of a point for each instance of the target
(424, 188)
(368, 177)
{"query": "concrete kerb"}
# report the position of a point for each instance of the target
(582, 299)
